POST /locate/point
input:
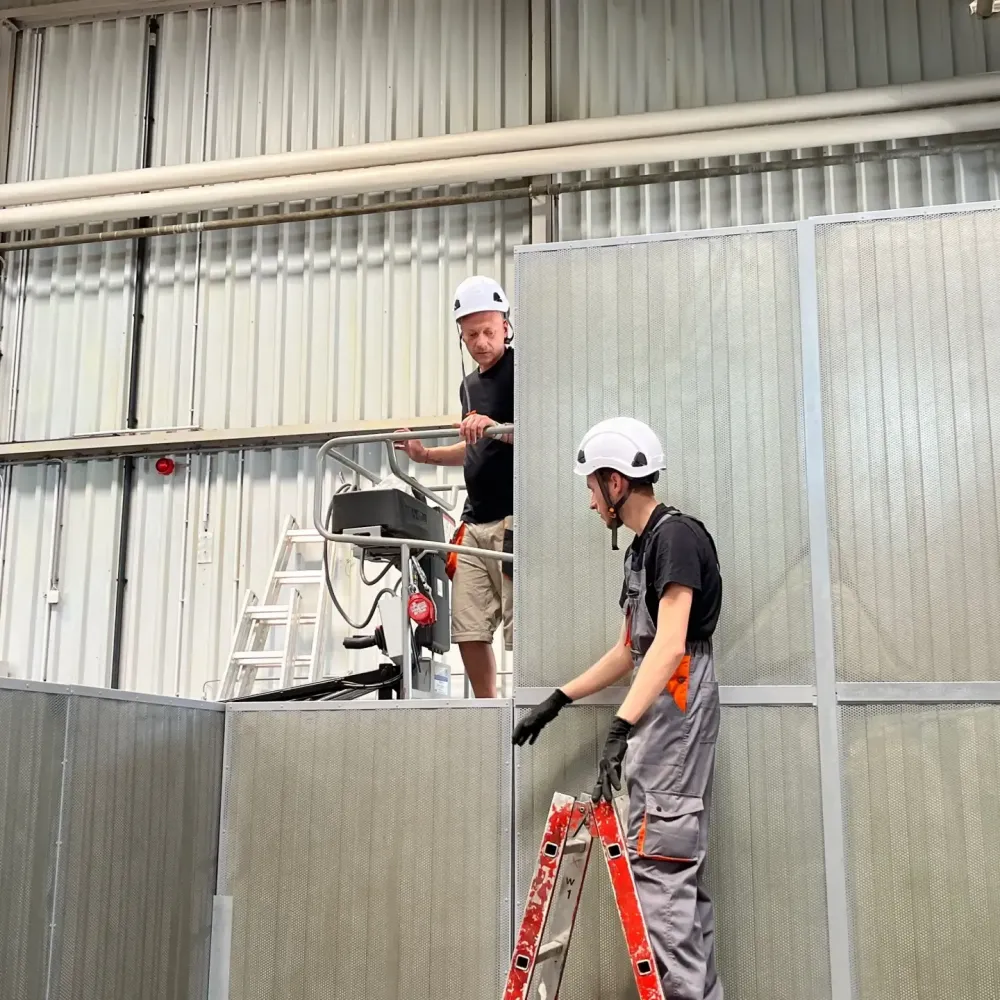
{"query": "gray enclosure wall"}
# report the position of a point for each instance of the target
(109, 823)
(367, 851)
(828, 395)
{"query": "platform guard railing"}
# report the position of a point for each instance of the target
(407, 547)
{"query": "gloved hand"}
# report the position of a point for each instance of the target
(609, 769)
(539, 717)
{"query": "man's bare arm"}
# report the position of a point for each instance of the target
(611, 667)
(446, 454)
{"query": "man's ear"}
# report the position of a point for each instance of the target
(617, 484)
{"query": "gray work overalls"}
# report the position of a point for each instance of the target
(668, 771)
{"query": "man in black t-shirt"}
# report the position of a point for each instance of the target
(666, 728)
(482, 592)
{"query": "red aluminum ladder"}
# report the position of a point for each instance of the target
(543, 939)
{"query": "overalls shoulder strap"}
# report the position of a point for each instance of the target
(674, 512)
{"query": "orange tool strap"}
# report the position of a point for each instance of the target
(451, 562)
(677, 686)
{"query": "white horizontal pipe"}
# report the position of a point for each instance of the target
(436, 173)
(875, 100)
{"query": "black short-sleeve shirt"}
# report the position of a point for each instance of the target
(682, 552)
(489, 463)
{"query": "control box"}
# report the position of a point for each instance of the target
(388, 513)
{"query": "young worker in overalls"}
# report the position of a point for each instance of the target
(666, 728)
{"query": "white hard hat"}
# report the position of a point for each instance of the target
(622, 443)
(479, 294)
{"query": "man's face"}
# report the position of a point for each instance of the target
(616, 486)
(483, 334)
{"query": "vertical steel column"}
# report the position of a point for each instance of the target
(135, 358)
(8, 47)
(542, 207)
(406, 660)
(822, 600)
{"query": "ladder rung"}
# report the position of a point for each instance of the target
(302, 536)
(576, 845)
(259, 659)
(278, 613)
(553, 948)
(299, 576)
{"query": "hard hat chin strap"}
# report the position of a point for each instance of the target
(613, 508)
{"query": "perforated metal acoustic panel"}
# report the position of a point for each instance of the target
(922, 800)
(766, 854)
(909, 316)
(367, 851)
(137, 864)
(32, 731)
(699, 337)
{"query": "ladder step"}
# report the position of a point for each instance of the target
(304, 536)
(259, 659)
(277, 614)
(553, 948)
(299, 576)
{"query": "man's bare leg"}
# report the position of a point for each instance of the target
(480, 667)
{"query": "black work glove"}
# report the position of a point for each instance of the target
(609, 770)
(508, 546)
(539, 717)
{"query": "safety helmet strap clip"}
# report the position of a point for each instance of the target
(613, 507)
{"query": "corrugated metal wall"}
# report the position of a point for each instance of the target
(340, 319)
(205, 536)
(67, 311)
(643, 55)
(57, 603)
(343, 320)
(347, 319)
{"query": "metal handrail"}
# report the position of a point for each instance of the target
(407, 546)
(329, 449)
(409, 480)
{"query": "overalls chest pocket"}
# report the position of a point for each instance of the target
(640, 629)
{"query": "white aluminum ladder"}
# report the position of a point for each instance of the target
(550, 909)
(247, 653)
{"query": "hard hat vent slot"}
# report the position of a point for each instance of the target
(639, 460)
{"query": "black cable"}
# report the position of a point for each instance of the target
(364, 579)
(329, 579)
(373, 686)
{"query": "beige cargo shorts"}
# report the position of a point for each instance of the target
(482, 594)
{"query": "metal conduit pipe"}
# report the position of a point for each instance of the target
(983, 142)
(472, 169)
(489, 142)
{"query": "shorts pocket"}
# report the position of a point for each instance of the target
(670, 827)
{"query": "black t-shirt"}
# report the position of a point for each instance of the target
(681, 552)
(489, 464)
